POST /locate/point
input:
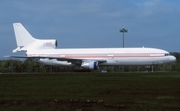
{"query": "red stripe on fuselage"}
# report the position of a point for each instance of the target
(120, 55)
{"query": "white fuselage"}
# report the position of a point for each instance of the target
(44, 51)
(112, 56)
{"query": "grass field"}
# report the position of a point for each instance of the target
(90, 91)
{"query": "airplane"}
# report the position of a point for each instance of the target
(45, 51)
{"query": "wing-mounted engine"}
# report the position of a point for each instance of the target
(91, 65)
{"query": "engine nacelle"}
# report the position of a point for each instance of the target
(91, 65)
(48, 43)
(43, 44)
(38, 44)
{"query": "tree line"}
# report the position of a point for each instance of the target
(27, 66)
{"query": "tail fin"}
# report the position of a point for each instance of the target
(25, 41)
(23, 37)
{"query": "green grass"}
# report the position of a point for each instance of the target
(90, 91)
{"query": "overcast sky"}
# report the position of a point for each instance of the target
(93, 23)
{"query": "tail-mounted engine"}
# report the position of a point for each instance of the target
(45, 44)
(38, 44)
(91, 65)
(26, 41)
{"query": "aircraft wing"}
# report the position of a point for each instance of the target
(72, 60)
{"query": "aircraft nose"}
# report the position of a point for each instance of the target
(172, 58)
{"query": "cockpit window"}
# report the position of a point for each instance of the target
(167, 54)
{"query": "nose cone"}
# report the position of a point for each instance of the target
(172, 59)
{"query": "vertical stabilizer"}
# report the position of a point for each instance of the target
(25, 41)
(23, 37)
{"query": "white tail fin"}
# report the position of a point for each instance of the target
(23, 37)
(24, 40)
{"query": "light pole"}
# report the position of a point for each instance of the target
(123, 30)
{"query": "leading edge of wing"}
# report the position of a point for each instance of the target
(58, 58)
(17, 57)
